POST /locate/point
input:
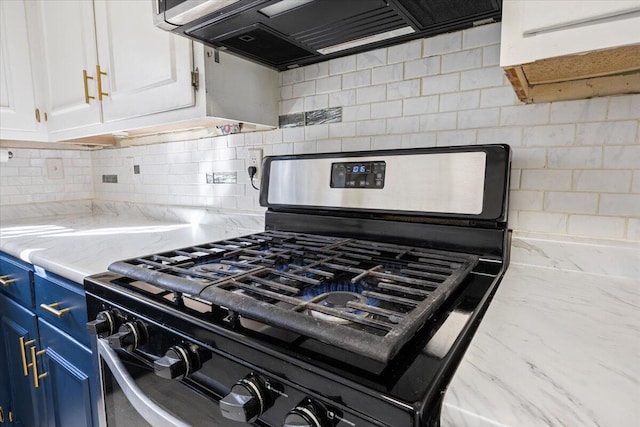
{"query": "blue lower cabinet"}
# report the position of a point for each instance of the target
(69, 381)
(19, 341)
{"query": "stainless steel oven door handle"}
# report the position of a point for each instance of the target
(153, 413)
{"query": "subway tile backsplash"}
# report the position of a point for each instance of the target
(576, 164)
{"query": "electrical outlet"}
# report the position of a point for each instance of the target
(255, 159)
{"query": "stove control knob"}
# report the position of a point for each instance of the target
(246, 401)
(105, 324)
(178, 362)
(304, 415)
(130, 336)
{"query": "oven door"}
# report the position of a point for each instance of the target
(135, 396)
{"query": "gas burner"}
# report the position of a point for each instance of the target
(338, 301)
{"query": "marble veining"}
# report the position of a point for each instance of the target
(555, 348)
(610, 258)
(36, 210)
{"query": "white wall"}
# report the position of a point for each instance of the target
(576, 165)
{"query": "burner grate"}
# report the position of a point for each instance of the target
(365, 297)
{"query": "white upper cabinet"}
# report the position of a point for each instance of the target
(70, 58)
(147, 70)
(568, 49)
(18, 116)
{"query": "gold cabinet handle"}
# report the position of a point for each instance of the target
(99, 74)
(10, 416)
(34, 366)
(1, 415)
(23, 354)
(7, 280)
(52, 308)
(86, 77)
(38, 115)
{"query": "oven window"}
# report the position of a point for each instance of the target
(186, 404)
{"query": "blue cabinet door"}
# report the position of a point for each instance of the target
(18, 326)
(70, 380)
(6, 408)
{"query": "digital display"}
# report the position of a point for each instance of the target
(358, 175)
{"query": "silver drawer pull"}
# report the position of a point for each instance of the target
(52, 308)
(7, 280)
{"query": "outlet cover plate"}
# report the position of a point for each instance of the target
(254, 158)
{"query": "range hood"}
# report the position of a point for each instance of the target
(285, 34)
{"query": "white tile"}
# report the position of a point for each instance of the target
(386, 142)
(293, 134)
(455, 137)
(316, 132)
(545, 179)
(342, 65)
(481, 78)
(290, 106)
(292, 76)
(356, 144)
(635, 186)
(440, 84)
(316, 102)
(575, 157)
(622, 157)
(235, 140)
(305, 147)
(501, 135)
(633, 229)
(516, 179)
(552, 135)
(370, 94)
(596, 226)
(491, 55)
(570, 202)
(328, 84)
(405, 52)
(542, 222)
(342, 130)
(529, 158)
(403, 125)
(328, 145)
(526, 200)
(584, 110)
(273, 136)
(286, 92)
(356, 79)
(610, 181)
(486, 117)
(624, 107)
(342, 98)
(421, 105)
(372, 58)
(481, 36)
(283, 149)
(611, 133)
(439, 121)
(386, 109)
(404, 89)
(460, 100)
(356, 113)
(422, 67)
(387, 74)
(315, 71)
(304, 89)
(371, 127)
(498, 97)
(465, 60)
(443, 43)
(419, 140)
(620, 204)
(535, 114)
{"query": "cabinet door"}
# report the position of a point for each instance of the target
(17, 93)
(68, 48)
(148, 69)
(17, 322)
(70, 381)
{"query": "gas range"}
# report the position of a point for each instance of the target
(353, 307)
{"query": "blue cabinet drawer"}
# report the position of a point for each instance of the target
(62, 303)
(15, 280)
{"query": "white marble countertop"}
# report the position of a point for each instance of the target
(558, 346)
(77, 244)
